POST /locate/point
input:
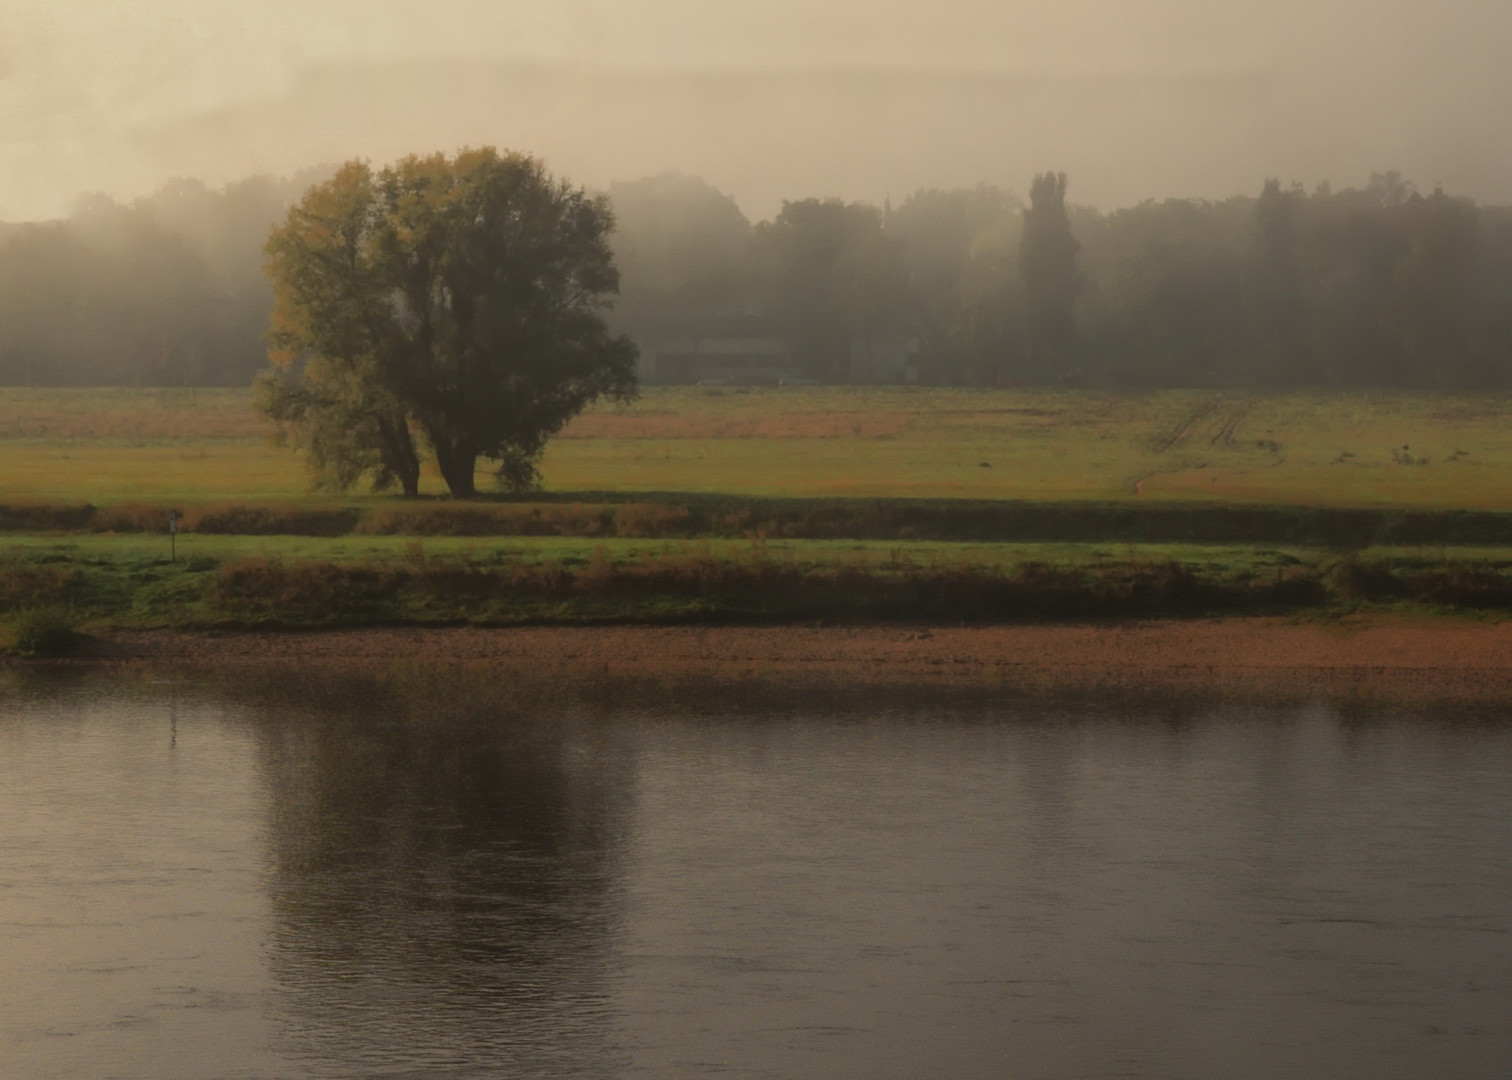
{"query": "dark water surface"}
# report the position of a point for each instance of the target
(448, 877)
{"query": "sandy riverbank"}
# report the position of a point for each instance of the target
(1371, 656)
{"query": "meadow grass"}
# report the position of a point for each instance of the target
(802, 503)
(1344, 449)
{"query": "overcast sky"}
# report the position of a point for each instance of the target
(767, 99)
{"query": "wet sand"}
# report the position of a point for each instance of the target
(1370, 656)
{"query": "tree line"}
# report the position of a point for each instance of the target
(1376, 285)
(166, 291)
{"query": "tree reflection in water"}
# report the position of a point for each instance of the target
(442, 878)
(492, 874)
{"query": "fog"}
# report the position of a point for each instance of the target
(767, 100)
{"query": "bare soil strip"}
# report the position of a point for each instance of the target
(1373, 657)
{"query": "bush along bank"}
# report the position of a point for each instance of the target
(676, 589)
(274, 593)
(654, 516)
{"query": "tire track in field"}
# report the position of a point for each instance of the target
(1237, 414)
(1184, 428)
(1231, 413)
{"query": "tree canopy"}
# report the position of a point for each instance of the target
(461, 299)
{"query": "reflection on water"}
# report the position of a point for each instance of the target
(447, 859)
(459, 876)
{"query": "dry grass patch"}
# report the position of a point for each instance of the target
(129, 518)
(126, 414)
(25, 586)
(802, 425)
(529, 519)
(244, 520)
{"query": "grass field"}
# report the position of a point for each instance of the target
(113, 446)
(804, 503)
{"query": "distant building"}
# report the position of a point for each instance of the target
(723, 361)
(884, 358)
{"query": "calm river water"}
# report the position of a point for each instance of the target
(449, 877)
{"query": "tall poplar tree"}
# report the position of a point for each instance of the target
(1052, 280)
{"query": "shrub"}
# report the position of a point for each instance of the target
(45, 632)
(1355, 579)
(243, 520)
(304, 593)
(530, 519)
(24, 586)
(429, 520)
(651, 520)
(43, 517)
(129, 517)
(1462, 585)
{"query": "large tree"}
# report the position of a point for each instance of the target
(458, 298)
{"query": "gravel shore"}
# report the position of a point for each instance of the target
(1371, 656)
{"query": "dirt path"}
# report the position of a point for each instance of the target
(1369, 656)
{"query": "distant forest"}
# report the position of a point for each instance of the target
(1380, 285)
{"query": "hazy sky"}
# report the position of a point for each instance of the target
(765, 98)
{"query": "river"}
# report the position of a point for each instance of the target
(447, 875)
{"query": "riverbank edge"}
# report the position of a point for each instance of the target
(714, 515)
(1375, 656)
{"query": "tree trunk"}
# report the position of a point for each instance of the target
(458, 462)
(399, 454)
(408, 468)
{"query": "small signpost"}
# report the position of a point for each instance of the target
(173, 536)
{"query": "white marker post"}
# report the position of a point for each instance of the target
(173, 536)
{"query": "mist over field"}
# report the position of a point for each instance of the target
(1272, 195)
(767, 101)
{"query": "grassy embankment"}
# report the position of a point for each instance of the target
(790, 504)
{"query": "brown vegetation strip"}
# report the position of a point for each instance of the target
(762, 425)
(1373, 657)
